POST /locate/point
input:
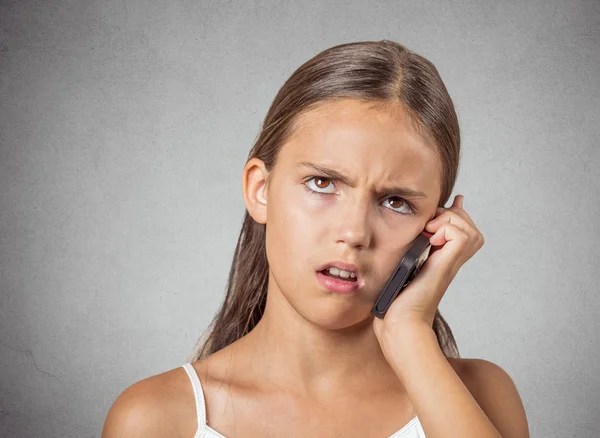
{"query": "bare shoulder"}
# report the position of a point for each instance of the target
(158, 406)
(495, 392)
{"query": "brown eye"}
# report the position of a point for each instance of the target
(321, 186)
(398, 203)
(319, 183)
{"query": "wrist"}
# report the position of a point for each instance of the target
(405, 330)
(408, 343)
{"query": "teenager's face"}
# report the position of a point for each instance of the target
(313, 219)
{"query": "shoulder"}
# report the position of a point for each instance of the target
(495, 392)
(157, 406)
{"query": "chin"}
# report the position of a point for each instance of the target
(337, 318)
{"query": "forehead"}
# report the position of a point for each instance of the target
(364, 136)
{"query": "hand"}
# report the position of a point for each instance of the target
(455, 240)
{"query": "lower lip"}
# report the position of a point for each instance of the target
(338, 286)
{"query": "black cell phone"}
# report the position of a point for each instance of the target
(406, 270)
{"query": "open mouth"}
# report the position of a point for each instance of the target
(338, 277)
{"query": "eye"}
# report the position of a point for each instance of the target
(404, 204)
(320, 185)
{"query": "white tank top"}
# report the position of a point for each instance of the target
(412, 429)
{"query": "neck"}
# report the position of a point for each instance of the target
(295, 352)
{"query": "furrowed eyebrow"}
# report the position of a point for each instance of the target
(334, 174)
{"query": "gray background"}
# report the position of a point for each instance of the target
(124, 128)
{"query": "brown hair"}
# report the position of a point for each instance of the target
(381, 72)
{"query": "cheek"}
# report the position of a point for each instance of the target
(293, 227)
(300, 216)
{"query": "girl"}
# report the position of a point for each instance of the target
(358, 154)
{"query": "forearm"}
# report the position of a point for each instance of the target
(444, 405)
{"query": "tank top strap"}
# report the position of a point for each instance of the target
(199, 396)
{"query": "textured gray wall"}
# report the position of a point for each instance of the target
(124, 128)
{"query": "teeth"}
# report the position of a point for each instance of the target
(341, 273)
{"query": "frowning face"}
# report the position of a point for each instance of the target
(355, 184)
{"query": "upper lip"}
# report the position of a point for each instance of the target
(342, 265)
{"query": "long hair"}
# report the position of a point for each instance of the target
(381, 72)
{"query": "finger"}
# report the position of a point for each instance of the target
(455, 246)
(447, 232)
(450, 216)
(444, 261)
(458, 201)
(475, 237)
(457, 207)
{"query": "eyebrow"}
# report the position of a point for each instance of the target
(334, 174)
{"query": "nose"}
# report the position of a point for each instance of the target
(354, 228)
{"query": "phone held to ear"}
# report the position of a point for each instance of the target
(406, 270)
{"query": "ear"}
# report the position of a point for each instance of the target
(254, 187)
